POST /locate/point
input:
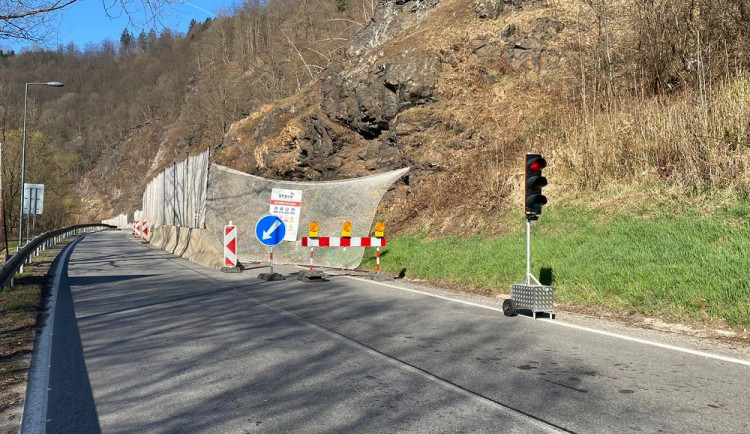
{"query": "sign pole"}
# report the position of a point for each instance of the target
(529, 276)
(33, 219)
(271, 260)
(28, 223)
(528, 251)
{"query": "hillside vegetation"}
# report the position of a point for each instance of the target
(641, 107)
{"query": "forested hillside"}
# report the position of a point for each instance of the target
(633, 102)
(93, 142)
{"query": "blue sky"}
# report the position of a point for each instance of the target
(87, 22)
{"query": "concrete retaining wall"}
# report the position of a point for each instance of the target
(196, 245)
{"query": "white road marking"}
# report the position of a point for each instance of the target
(564, 324)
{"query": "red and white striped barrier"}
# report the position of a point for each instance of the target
(137, 229)
(343, 242)
(145, 232)
(230, 245)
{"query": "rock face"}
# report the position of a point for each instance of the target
(523, 52)
(391, 17)
(490, 9)
(342, 126)
(412, 88)
(367, 101)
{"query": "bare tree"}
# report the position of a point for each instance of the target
(31, 20)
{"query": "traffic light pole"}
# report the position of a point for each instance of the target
(529, 276)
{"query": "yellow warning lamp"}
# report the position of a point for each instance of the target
(379, 230)
(346, 229)
(314, 227)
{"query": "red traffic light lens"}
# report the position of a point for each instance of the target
(538, 164)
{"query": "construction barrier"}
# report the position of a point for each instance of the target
(343, 242)
(145, 232)
(230, 245)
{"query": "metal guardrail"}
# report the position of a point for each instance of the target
(47, 239)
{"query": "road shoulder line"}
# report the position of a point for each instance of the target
(35, 405)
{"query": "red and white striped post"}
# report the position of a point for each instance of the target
(145, 232)
(230, 249)
(230, 245)
(137, 228)
(313, 233)
(379, 234)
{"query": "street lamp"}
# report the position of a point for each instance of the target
(23, 152)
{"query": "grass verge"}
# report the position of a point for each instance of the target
(689, 267)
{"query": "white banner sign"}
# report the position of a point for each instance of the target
(286, 205)
(33, 198)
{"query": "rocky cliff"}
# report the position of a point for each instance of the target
(428, 84)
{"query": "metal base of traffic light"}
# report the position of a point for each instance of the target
(534, 297)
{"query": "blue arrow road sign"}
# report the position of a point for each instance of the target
(270, 230)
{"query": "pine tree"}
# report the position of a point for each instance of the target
(127, 41)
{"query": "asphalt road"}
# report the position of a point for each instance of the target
(147, 342)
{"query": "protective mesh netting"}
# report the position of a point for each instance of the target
(177, 196)
(192, 194)
(244, 199)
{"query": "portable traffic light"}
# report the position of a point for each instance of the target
(534, 199)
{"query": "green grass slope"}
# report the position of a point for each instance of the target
(686, 267)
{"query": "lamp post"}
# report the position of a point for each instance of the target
(23, 152)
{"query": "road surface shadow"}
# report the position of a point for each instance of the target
(71, 407)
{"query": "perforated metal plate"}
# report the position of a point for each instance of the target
(533, 297)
